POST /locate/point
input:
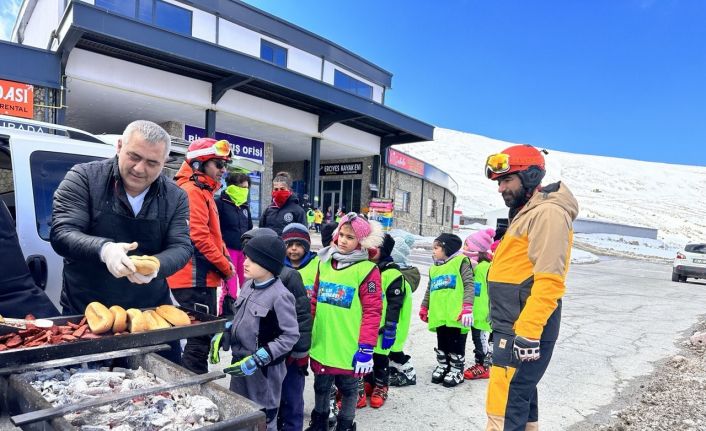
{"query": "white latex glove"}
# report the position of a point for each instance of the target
(114, 255)
(138, 278)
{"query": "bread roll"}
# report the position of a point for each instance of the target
(145, 265)
(119, 319)
(155, 321)
(135, 321)
(100, 319)
(173, 315)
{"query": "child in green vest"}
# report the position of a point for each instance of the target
(394, 324)
(448, 307)
(477, 248)
(347, 305)
(402, 372)
(299, 256)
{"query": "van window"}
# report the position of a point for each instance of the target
(696, 248)
(48, 169)
(7, 186)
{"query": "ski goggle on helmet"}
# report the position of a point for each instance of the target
(517, 158)
(204, 150)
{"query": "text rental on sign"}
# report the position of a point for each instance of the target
(16, 99)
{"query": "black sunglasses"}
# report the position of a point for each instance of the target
(220, 164)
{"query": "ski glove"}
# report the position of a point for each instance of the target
(220, 340)
(389, 333)
(249, 364)
(363, 360)
(424, 314)
(466, 315)
(114, 255)
(525, 349)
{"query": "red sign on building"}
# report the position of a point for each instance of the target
(405, 162)
(16, 99)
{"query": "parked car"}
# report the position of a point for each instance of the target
(690, 263)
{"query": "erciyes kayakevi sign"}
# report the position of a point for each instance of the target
(350, 168)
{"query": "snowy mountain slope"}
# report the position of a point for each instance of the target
(668, 197)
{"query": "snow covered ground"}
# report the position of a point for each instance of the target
(664, 196)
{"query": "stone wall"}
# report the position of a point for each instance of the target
(419, 219)
(44, 107)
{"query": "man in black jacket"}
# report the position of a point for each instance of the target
(291, 411)
(285, 207)
(19, 296)
(105, 209)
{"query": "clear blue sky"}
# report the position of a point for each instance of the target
(624, 78)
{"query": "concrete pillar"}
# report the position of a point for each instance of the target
(314, 162)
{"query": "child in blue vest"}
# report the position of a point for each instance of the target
(448, 307)
(477, 248)
(347, 306)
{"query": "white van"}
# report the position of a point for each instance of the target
(34, 158)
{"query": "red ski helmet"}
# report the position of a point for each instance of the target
(205, 149)
(524, 160)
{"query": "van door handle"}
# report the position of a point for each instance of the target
(37, 265)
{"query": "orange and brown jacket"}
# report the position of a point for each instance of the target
(210, 263)
(526, 280)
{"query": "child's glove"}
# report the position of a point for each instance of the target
(363, 360)
(424, 314)
(525, 349)
(389, 333)
(249, 364)
(466, 315)
(218, 341)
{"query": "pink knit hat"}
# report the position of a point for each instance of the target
(368, 232)
(480, 241)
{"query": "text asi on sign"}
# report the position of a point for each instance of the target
(16, 99)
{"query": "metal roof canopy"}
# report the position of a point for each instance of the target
(29, 65)
(96, 30)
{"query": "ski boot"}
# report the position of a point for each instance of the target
(455, 375)
(334, 408)
(477, 371)
(442, 367)
(379, 397)
(402, 374)
(345, 425)
(318, 422)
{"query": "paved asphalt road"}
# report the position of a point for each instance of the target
(620, 316)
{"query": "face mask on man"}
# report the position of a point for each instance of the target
(280, 197)
(239, 195)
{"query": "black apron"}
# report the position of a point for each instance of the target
(85, 282)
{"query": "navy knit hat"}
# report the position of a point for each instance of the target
(450, 243)
(297, 232)
(267, 251)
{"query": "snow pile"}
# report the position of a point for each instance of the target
(664, 196)
(626, 245)
(582, 256)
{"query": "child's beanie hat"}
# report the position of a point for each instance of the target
(296, 232)
(267, 251)
(368, 232)
(480, 241)
(450, 243)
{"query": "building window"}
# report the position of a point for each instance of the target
(431, 207)
(275, 54)
(156, 12)
(402, 200)
(123, 7)
(448, 213)
(352, 85)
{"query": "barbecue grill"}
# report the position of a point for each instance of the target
(30, 411)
